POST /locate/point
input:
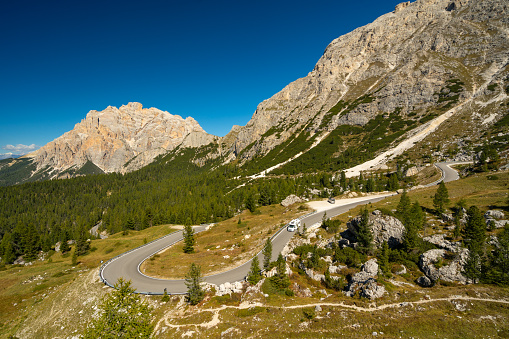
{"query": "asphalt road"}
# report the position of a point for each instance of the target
(127, 265)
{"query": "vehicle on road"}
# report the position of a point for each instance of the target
(293, 225)
(331, 200)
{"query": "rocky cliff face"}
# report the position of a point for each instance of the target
(120, 139)
(401, 63)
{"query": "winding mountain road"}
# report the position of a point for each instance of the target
(127, 265)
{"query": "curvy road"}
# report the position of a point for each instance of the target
(127, 265)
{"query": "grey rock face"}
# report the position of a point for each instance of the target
(290, 200)
(402, 60)
(451, 272)
(365, 282)
(439, 240)
(494, 214)
(383, 228)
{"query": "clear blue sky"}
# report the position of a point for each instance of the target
(212, 60)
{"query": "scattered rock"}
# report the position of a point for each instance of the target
(383, 227)
(318, 308)
(424, 281)
(365, 282)
(412, 171)
(451, 272)
(291, 199)
(403, 270)
(372, 290)
(311, 273)
(494, 214)
(300, 291)
(229, 288)
(439, 240)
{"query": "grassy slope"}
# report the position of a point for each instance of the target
(227, 238)
(64, 298)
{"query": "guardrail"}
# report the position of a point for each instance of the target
(101, 269)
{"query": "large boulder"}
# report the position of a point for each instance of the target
(432, 264)
(439, 240)
(290, 200)
(364, 281)
(383, 227)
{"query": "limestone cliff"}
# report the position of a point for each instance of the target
(119, 139)
(401, 63)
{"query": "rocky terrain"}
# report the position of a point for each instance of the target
(422, 60)
(119, 139)
(431, 67)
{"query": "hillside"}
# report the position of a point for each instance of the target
(436, 65)
(429, 71)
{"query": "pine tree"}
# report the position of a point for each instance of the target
(403, 208)
(474, 236)
(364, 236)
(280, 279)
(441, 198)
(250, 202)
(29, 243)
(6, 249)
(498, 270)
(64, 246)
(82, 244)
(342, 180)
(267, 254)
(195, 293)
(188, 239)
(74, 258)
(123, 315)
(254, 275)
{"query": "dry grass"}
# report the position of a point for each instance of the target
(224, 246)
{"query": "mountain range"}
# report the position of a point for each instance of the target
(432, 75)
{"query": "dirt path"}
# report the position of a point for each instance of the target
(165, 321)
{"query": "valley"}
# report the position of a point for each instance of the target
(392, 154)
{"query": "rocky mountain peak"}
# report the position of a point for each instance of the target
(119, 139)
(399, 64)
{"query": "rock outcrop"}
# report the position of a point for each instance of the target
(434, 265)
(120, 139)
(399, 64)
(384, 228)
(364, 281)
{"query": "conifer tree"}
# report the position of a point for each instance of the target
(123, 315)
(267, 254)
(195, 293)
(250, 202)
(188, 239)
(82, 245)
(498, 270)
(474, 236)
(441, 198)
(364, 236)
(254, 275)
(64, 246)
(280, 279)
(6, 249)
(403, 208)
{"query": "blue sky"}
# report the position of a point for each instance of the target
(214, 61)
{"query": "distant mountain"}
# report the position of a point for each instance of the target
(432, 77)
(113, 140)
(9, 156)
